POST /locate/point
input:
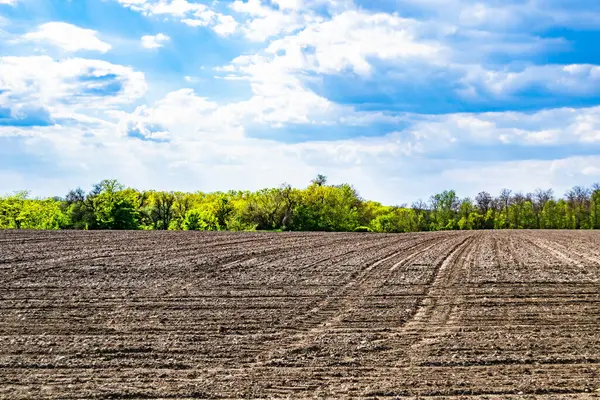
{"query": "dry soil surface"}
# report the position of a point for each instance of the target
(111, 315)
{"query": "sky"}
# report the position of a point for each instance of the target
(401, 98)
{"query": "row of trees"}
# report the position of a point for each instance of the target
(319, 207)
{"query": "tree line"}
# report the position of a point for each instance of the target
(318, 207)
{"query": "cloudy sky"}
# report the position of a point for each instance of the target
(401, 98)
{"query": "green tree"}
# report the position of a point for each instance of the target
(444, 208)
(11, 207)
(114, 207)
(200, 220)
(504, 199)
(595, 206)
(162, 210)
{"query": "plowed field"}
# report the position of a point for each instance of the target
(496, 315)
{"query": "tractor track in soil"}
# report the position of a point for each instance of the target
(494, 315)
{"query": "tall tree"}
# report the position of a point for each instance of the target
(538, 200)
(162, 210)
(484, 201)
(595, 205)
(444, 206)
(505, 201)
(113, 208)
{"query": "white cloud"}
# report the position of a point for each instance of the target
(9, 2)
(194, 23)
(279, 103)
(184, 134)
(348, 42)
(356, 40)
(507, 15)
(177, 8)
(180, 110)
(572, 80)
(265, 21)
(350, 39)
(290, 4)
(524, 175)
(222, 25)
(546, 128)
(69, 37)
(187, 135)
(197, 158)
(225, 25)
(154, 42)
(184, 117)
(68, 86)
(191, 14)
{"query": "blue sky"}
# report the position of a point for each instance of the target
(402, 98)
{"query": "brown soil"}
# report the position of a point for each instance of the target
(494, 315)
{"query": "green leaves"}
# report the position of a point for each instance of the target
(17, 211)
(200, 220)
(318, 207)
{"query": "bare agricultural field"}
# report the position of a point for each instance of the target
(495, 315)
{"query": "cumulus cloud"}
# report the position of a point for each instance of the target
(349, 42)
(25, 115)
(189, 13)
(546, 128)
(572, 80)
(508, 15)
(185, 135)
(63, 89)
(154, 42)
(77, 79)
(180, 110)
(177, 8)
(90, 119)
(68, 37)
(189, 148)
(264, 21)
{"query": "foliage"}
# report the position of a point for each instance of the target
(17, 211)
(319, 207)
(199, 220)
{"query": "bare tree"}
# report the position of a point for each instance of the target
(538, 200)
(484, 201)
(582, 195)
(578, 199)
(75, 196)
(518, 200)
(543, 196)
(420, 208)
(420, 205)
